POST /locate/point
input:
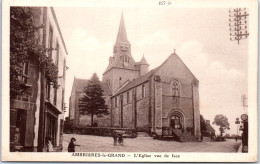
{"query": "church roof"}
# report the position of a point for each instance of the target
(106, 89)
(80, 84)
(146, 76)
(137, 81)
(143, 61)
(121, 35)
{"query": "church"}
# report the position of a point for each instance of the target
(163, 101)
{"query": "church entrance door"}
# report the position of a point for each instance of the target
(176, 122)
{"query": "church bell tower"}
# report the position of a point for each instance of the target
(122, 46)
(122, 67)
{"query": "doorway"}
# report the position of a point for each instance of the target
(176, 122)
(51, 128)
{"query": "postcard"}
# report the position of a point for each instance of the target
(129, 81)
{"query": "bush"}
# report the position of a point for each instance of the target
(205, 133)
(220, 139)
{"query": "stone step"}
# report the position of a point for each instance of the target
(143, 134)
(184, 136)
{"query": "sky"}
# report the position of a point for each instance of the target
(199, 36)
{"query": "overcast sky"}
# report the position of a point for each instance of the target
(200, 37)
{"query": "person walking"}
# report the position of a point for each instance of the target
(71, 147)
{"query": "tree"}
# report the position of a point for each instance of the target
(227, 135)
(92, 103)
(203, 124)
(221, 121)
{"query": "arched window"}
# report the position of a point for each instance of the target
(124, 58)
(115, 101)
(143, 91)
(175, 89)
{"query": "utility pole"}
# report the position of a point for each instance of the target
(244, 101)
(238, 24)
(244, 128)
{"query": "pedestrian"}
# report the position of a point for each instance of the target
(211, 138)
(71, 147)
(115, 138)
(120, 139)
(49, 145)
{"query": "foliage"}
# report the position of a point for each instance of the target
(227, 135)
(220, 139)
(203, 124)
(206, 129)
(92, 103)
(206, 133)
(221, 121)
(25, 48)
(67, 125)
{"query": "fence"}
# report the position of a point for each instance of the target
(106, 131)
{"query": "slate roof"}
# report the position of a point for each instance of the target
(137, 81)
(146, 77)
(121, 35)
(82, 83)
(143, 61)
(106, 89)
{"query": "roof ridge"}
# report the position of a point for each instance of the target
(139, 80)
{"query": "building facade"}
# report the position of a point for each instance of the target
(163, 101)
(28, 132)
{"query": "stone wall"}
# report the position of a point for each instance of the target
(186, 102)
(116, 74)
(142, 114)
(142, 109)
(182, 103)
(128, 116)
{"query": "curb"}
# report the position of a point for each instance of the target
(240, 148)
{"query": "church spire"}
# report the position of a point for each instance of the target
(121, 35)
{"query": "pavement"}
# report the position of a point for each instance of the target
(90, 143)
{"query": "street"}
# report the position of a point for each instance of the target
(89, 143)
